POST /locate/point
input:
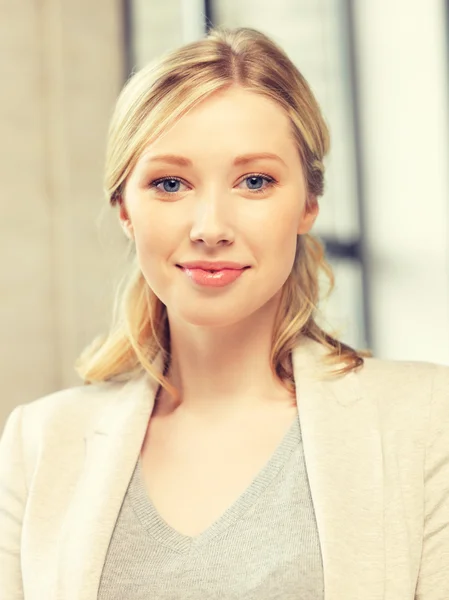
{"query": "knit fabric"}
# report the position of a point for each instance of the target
(265, 546)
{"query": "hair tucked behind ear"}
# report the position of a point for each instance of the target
(152, 100)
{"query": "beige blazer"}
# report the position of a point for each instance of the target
(376, 447)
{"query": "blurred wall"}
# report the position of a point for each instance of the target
(62, 69)
(402, 66)
(63, 66)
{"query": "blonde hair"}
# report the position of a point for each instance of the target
(152, 100)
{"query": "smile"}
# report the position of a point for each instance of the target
(209, 278)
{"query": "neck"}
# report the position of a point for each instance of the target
(219, 371)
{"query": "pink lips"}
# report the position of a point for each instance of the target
(212, 278)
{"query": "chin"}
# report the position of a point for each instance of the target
(214, 316)
(204, 320)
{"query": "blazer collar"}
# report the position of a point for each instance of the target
(343, 454)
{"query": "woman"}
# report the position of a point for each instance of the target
(225, 445)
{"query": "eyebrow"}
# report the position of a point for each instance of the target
(243, 159)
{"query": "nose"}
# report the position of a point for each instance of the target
(210, 223)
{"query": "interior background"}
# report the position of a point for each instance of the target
(379, 70)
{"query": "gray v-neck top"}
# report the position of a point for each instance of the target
(265, 546)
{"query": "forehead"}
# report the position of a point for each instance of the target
(229, 123)
(236, 104)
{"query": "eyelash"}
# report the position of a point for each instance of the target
(271, 182)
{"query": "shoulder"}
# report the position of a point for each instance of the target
(43, 427)
(72, 410)
(403, 375)
(379, 377)
(411, 387)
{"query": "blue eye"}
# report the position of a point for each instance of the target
(252, 178)
(164, 180)
(169, 190)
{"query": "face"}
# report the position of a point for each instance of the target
(218, 209)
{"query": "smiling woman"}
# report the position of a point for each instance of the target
(224, 444)
(217, 152)
(214, 213)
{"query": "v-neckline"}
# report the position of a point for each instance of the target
(156, 526)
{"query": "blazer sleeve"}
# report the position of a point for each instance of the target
(433, 580)
(13, 495)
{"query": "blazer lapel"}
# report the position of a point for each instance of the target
(343, 455)
(112, 450)
(344, 461)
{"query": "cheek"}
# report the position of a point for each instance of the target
(282, 256)
(152, 245)
(281, 239)
(150, 240)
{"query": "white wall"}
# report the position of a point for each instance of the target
(402, 64)
(63, 65)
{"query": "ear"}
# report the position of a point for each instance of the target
(310, 213)
(125, 221)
